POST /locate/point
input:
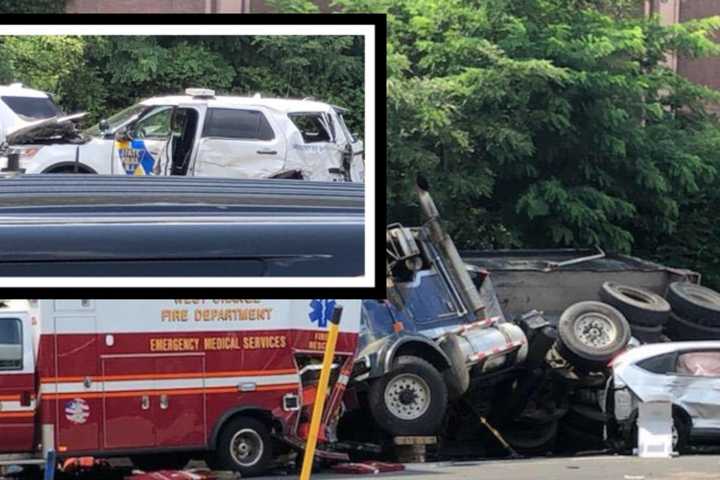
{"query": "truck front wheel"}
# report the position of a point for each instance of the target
(243, 446)
(411, 399)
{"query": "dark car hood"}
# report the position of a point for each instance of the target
(51, 130)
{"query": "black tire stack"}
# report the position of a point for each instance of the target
(646, 312)
(695, 312)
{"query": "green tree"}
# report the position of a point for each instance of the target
(32, 6)
(40, 61)
(547, 122)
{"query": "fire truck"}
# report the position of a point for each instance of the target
(165, 381)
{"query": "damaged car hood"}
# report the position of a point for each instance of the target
(51, 130)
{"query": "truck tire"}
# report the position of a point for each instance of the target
(244, 445)
(698, 304)
(586, 418)
(411, 399)
(578, 440)
(160, 461)
(591, 333)
(531, 438)
(639, 306)
(457, 376)
(585, 397)
(679, 329)
(647, 334)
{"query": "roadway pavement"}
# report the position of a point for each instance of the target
(607, 467)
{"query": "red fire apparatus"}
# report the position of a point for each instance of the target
(163, 381)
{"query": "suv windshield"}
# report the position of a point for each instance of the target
(32, 108)
(118, 120)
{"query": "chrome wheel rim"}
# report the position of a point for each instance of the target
(246, 447)
(595, 330)
(407, 396)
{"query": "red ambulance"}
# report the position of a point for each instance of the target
(164, 381)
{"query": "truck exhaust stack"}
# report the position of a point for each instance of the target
(447, 249)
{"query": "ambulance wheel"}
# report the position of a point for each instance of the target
(244, 446)
(160, 461)
(411, 399)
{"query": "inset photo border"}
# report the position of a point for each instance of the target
(35, 265)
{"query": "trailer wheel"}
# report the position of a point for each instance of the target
(586, 418)
(638, 305)
(647, 334)
(591, 334)
(576, 440)
(699, 304)
(680, 329)
(531, 438)
(160, 461)
(244, 446)
(411, 399)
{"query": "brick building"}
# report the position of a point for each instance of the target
(173, 6)
(705, 71)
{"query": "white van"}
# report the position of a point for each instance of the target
(20, 106)
(201, 134)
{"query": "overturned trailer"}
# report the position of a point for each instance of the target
(550, 280)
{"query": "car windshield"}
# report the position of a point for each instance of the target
(118, 120)
(32, 108)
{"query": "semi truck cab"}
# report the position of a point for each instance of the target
(440, 327)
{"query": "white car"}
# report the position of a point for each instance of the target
(204, 135)
(687, 372)
(20, 106)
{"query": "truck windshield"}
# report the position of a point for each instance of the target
(32, 108)
(120, 119)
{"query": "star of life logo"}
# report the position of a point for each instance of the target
(77, 410)
(321, 312)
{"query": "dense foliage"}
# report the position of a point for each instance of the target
(540, 122)
(32, 6)
(102, 75)
(554, 123)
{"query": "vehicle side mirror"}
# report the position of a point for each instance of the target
(104, 125)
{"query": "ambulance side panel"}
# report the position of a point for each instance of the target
(139, 375)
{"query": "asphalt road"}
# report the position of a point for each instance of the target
(689, 467)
